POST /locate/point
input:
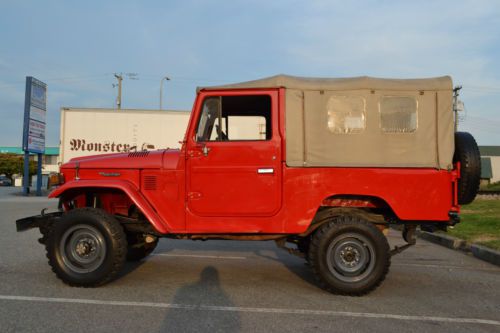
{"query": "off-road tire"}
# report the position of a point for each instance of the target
(467, 153)
(113, 245)
(137, 253)
(369, 238)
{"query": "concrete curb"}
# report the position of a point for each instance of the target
(453, 243)
(485, 254)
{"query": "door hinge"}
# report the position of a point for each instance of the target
(194, 195)
(194, 153)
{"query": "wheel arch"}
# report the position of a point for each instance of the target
(371, 208)
(71, 189)
(356, 201)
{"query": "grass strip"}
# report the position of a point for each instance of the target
(480, 223)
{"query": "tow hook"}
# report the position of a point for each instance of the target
(145, 239)
(409, 237)
(149, 239)
(281, 243)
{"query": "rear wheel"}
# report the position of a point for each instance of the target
(349, 256)
(87, 247)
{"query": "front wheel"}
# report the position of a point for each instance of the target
(87, 247)
(349, 256)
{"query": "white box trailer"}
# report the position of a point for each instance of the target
(92, 131)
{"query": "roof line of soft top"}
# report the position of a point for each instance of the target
(360, 82)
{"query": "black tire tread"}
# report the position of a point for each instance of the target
(117, 233)
(339, 222)
(467, 153)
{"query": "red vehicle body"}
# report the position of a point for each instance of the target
(244, 189)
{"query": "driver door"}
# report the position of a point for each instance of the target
(234, 157)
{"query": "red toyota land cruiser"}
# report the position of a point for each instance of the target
(321, 166)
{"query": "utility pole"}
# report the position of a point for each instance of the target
(456, 103)
(165, 78)
(119, 77)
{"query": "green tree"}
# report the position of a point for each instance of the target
(11, 164)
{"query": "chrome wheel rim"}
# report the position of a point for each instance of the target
(83, 248)
(351, 257)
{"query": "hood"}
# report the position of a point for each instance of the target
(157, 159)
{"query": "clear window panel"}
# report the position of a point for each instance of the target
(398, 114)
(346, 114)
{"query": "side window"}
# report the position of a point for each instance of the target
(346, 114)
(398, 114)
(235, 118)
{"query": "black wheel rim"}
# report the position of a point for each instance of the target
(351, 257)
(82, 248)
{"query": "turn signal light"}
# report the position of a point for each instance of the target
(56, 179)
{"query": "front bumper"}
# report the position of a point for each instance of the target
(37, 221)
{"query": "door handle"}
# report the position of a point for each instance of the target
(265, 170)
(205, 150)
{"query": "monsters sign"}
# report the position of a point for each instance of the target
(107, 146)
(87, 132)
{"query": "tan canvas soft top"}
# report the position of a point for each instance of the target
(361, 82)
(365, 121)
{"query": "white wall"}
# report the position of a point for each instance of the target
(495, 168)
(87, 132)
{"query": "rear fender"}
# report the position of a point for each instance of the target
(128, 188)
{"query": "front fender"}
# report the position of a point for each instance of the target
(128, 188)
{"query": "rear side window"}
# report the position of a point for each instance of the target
(398, 114)
(235, 118)
(346, 114)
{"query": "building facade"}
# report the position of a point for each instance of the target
(50, 161)
(490, 163)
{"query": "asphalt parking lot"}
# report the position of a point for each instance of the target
(226, 286)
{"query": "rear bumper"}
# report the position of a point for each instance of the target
(36, 221)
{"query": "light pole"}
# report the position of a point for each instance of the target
(161, 89)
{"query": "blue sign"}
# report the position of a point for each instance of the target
(35, 110)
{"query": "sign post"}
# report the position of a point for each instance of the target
(35, 109)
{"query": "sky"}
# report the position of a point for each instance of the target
(75, 47)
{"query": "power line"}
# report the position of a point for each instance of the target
(60, 79)
(481, 87)
(77, 77)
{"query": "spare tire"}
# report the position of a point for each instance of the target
(467, 153)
